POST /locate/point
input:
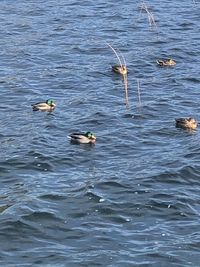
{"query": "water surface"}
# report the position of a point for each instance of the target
(133, 198)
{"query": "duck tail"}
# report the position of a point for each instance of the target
(34, 108)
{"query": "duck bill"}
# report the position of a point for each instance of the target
(93, 140)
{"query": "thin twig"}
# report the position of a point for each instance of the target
(125, 77)
(124, 61)
(150, 15)
(126, 89)
(115, 54)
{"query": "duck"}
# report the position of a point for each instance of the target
(166, 62)
(121, 69)
(186, 123)
(49, 106)
(83, 138)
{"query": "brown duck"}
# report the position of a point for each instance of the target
(166, 62)
(121, 69)
(186, 123)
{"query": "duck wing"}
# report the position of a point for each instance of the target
(41, 106)
(77, 136)
(35, 106)
(116, 68)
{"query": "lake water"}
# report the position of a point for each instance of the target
(133, 199)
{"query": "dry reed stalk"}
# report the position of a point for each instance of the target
(126, 89)
(151, 19)
(125, 77)
(120, 62)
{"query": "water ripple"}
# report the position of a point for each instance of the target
(132, 199)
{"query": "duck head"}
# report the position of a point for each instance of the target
(50, 103)
(91, 136)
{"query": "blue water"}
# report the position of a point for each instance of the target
(133, 198)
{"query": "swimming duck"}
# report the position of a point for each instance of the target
(49, 106)
(120, 69)
(83, 138)
(187, 123)
(166, 62)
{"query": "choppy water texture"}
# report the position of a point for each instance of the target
(133, 198)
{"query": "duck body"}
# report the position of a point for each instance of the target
(83, 138)
(166, 62)
(186, 123)
(120, 69)
(49, 106)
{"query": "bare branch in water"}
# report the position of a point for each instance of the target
(115, 54)
(125, 77)
(124, 61)
(151, 19)
(126, 89)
